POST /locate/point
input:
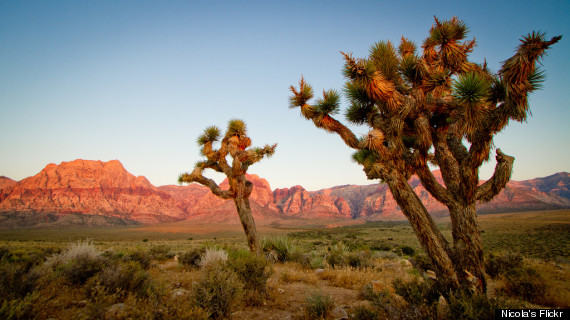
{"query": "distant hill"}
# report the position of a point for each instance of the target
(89, 192)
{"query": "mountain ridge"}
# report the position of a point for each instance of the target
(106, 189)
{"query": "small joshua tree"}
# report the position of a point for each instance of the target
(435, 107)
(236, 144)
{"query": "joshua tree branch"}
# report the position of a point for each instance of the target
(439, 192)
(498, 181)
(196, 176)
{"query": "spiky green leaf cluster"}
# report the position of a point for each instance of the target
(365, 157)
(329, 103)
(536, 79)
(471, 88)
(211, 134)
(236, 127)
(301, 96)
(383, 56)
(410, 69)
(448, 31)
(406, 47)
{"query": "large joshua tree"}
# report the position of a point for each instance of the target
(236, 144)
(434, 107)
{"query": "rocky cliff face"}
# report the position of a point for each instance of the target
(90, 187)
(106, 189)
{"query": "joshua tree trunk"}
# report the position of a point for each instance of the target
(431, 239)
(468, 247)
(247, 222)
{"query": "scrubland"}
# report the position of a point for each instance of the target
(374, 270)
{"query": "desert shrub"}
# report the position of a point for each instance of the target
(525, 283)
(78, 263)
(496, 265)
(416, 292)
(140, 256)
(4, 253)
(380, 247)
(191, 258)
(278, 249)
(406, 250)
(123, 278)
(363, 312)
(18, 308)
(336, 255)
(253, 271)
(384, 306)
(318, 305)
(359, 259)
(213, 257)
(17, 280)
(389, 255)
(218, 291)
(470, 306)
(421, 262)
(160, 252)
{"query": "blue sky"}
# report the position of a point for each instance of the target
(138, 81)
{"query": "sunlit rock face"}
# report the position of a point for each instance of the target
(107, 189)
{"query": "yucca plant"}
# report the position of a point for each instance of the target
(433, 107)
(236, 144)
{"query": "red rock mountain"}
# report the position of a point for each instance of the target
(90, 187)
(106, 189)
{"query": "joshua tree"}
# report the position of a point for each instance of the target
(235, 144)
(435, 108)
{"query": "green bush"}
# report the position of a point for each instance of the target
(336, 255)
(140, 256)
(160, 252)
(318, 305)
(384, 306)
(218, 291)
(422, 262)
(359, 259)
(496, 265)
(471, 306)
(416, 292)
(278, 249)
(366, 313)
(123, 278)
(409, 251)
(191, 258)
(17, 280)
(525, 283)
(253, 271)
(18, 308)
(78, 263)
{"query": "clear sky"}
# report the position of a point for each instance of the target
(138, 81)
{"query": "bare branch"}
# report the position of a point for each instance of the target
(196, 176)
(502, 175)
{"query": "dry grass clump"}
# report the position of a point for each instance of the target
(349, 277)
(78, 263)
(291, 272)
(557, 278)
(213, 257)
